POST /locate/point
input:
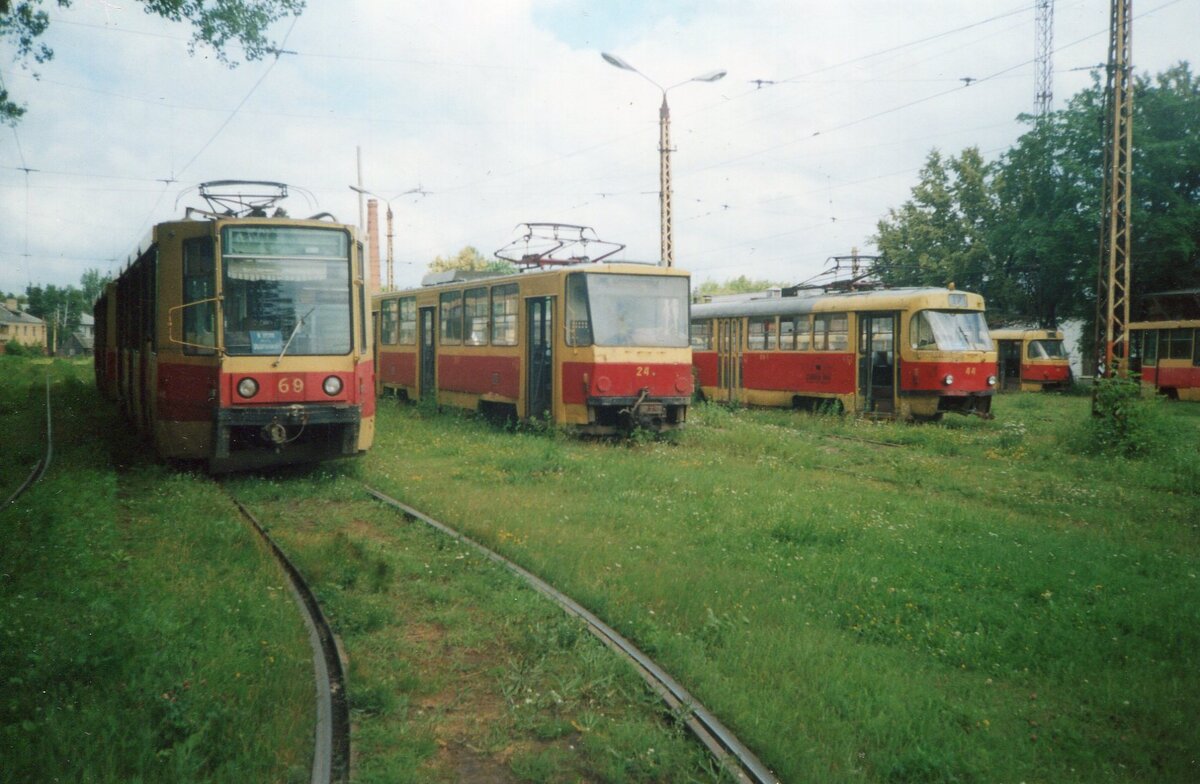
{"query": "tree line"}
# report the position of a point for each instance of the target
(1024, 230)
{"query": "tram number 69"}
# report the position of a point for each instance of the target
(289, 385)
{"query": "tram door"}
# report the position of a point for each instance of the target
(729, 358)
(427, 372)
(539, 383)
(877, 362)
(1009, 353)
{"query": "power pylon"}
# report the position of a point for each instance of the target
(1112, 284)
(1044, 50)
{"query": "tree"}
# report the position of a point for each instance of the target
(1024, 231)
(471, 260)
(92, 282)
(939, 236)
(215, 23)
(738, 285)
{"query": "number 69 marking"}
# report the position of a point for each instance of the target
(287, 385)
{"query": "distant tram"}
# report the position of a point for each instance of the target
(600, 348)
(1032, 360)
(241, 339)
(906, 353)
(1165, 354)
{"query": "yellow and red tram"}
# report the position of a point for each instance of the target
(1165, 354)
(1031, 360)
(242, 340)
(905, 353)
(598, 348)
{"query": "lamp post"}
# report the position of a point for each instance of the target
(388, 202)
(667, 250)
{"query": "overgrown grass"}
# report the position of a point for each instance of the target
(969, 601)
(457, 671)
(144, 635)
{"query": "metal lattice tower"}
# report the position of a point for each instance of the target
(1112, 285)
(1044, 50)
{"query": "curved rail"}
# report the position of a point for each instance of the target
(39, 467)
(331, 752)
(729, 752)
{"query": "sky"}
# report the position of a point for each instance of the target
(503, 112)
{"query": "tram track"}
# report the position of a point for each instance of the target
(331, 748)
(730, 754)
(43, 463)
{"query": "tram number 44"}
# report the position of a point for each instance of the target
(288, 386)
(970, 371)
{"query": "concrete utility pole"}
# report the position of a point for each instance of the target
(667, 249)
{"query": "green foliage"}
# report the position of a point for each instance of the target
(14, 349)
(1022, 230)
(1125, 421)
(471, 260)
(739, 285)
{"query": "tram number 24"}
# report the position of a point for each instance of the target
(643, 371)
(287, 386)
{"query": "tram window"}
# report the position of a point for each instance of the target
(763, 334)
(579, 323)
(787, 334)
(199, 283)
(1179, 344)
(701, 335)
(1150, 346)
(940, 330)
(830, 332)
(504, 315)
(1046, 349)
(407, 329)
(803, 333)
(452, 318)
(476, 301)
(389, 322)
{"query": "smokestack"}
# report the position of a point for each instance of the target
(373, 243)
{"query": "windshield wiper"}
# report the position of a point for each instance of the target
(291, 337)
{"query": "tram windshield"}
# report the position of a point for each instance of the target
(946, 330)
(627, 310)
(1047, 349)
(286, 289)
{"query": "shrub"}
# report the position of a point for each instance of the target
(1124, 421)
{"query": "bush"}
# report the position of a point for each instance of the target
(1124, 421)
(15, 349)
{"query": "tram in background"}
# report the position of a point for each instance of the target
(912, 353)
(1165, 354)
(598, 347)
(1031, 360)
(242, 339)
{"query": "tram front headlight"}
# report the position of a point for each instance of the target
(948, 380)
(332, 385)
(247, 387)
(991, 381)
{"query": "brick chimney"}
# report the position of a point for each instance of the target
(373, 244)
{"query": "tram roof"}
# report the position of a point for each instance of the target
(822, 301)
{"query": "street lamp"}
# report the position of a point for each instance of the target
(664, 150)
(388, 202)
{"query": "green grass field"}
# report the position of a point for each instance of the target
(969, 601)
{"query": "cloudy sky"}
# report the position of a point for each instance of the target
(503, 111)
